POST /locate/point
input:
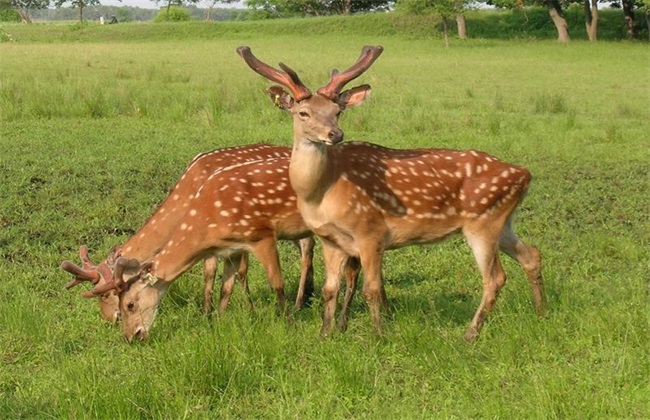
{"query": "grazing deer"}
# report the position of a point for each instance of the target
(362, 199)
(239, 209)
(153, 235)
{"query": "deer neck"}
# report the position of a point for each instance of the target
(312, 171)
(145, 242)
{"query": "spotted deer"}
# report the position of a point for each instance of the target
(153, 235)
(239, 209)
(362, 199)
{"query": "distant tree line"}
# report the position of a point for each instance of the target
(634, 11)
(132, 14)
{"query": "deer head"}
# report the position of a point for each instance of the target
(139, 299)
(315, 116)
(136, 313)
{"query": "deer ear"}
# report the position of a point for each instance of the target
(280, 97)
(353, 97)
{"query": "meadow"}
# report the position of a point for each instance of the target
(93, 133)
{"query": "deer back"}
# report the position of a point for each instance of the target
(149, 239)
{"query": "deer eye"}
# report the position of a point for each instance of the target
(130, 306)
(303, 114)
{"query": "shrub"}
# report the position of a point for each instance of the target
(9, 15)
(173, 14)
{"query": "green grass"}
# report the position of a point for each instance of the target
(92, 134)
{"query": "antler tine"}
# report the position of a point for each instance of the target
(81, 274)
(122, 264)
(287, 78)
(88, 271)
(85, 259)
(113, 280)
(333, 88)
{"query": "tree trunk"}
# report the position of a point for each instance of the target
(24, 15)
(347, 7)
(208, 14)
(462, 26)
(628, 12)
(591, 19)
(81, 11)
(555, 11)
(445, 28)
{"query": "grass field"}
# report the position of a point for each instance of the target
(93, 134)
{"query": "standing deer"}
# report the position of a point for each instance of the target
(362, 199)
(239, 209)
(153, 235)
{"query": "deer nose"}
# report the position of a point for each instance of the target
(335, 135)
(141, 333)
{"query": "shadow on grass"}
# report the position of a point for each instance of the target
(453, 308)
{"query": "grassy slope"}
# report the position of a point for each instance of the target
(94, 133)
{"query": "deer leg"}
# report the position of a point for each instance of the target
(230, 270)
(371, 259)
(530, 260)
(209, 274)
(242, 276)
(266, 251)
(306, 285)
(384, 298)
(351, 274)
(334, 260)
(487, 258)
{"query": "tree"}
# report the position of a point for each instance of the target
(178, 3)
(628, 11)
(8, 13)
(80, 4)
(443, 8)
(629, 6)
(286, 8)
(554, 8)
(24, 6)
(174, 14)
(591, 18)
(213, 3)
(644, 7)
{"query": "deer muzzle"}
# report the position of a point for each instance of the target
(335, 136)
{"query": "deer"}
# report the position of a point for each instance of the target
(152, 236)
(362, 199)
(240, 209)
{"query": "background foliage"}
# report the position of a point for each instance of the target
(173, 14)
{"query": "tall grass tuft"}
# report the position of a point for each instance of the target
(549, 104)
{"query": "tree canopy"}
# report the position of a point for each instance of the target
(25, 6)
(286, 8)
